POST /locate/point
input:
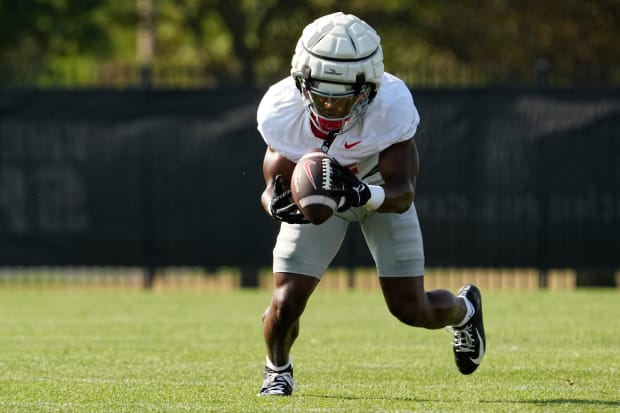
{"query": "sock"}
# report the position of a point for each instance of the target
(468, 315)
(271, 366)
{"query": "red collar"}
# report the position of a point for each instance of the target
(317, 133)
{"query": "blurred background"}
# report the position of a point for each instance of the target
(129, 153)
(213, 43)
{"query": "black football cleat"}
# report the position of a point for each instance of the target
(469, 341)
(277, 383)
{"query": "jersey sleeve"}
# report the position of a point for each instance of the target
(397, 117)
(279, 115)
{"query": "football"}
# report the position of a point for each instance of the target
(310, 186)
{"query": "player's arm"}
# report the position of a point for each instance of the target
(274, 164)
(399, 167)
(276, 198)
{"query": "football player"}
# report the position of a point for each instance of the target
(339, 98)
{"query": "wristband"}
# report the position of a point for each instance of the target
(377, 196)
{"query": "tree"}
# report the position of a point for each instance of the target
(438, 42)
(34, 32)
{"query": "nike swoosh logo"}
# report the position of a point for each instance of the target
(348, 145)
(478, 359)
(308, 171)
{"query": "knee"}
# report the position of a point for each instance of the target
(290, 294)
(284, 308)
(410, 313)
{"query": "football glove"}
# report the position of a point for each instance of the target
(282, 208)
(354, 192)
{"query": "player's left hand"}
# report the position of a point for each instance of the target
(282, 208)
(354, 192)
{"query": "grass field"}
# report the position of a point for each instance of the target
(180, 351)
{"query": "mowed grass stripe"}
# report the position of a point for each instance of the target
(131, 351)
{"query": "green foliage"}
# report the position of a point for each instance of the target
(164, 351)
(33, 31)
(232, 41)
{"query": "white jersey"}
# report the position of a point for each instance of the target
(391, 117)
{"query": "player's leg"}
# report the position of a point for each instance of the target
(395, 241)
(281, 318)
(462, 314)
(281, 328)
(408, 301)
(300, 257)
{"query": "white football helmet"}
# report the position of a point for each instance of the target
(337, 66)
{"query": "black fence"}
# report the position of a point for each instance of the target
(509, 178)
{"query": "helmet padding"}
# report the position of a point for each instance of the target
(338, 49)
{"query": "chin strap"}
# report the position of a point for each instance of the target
(327, 142)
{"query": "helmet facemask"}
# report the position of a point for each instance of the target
(334, 107)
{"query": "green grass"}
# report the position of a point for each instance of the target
(134, 351)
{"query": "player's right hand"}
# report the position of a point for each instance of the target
(282, 207)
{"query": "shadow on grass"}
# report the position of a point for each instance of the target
(538, 402)
(362, 397)
(543, 402)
